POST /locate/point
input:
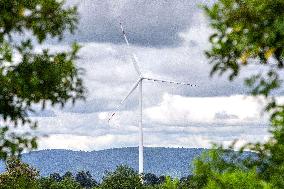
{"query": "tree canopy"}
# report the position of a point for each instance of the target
(28, 77)
(18, 175)
(122, 177)
(247, 32)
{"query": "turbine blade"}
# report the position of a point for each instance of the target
(133, 56)
(171, 82)
(124, 99)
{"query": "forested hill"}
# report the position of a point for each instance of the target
(176, 162)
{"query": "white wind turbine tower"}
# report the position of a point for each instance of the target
(140, 83)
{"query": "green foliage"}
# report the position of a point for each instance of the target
(85, 179)
(185, 182)
(244, 30)
(150, 179)
(170, 184)
(236, 179)
(47, 182)
(55, 176)
(220, 168)
(247, 32)
(123, 177)
(67, 175)
(28, 77)
(18, 175)
(66, 183)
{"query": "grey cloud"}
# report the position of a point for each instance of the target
(110, 75)
(44, 113)
(147, 22)
(224, 115)
(38, 112)
(100, 105)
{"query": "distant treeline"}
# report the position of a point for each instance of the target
(21, 175)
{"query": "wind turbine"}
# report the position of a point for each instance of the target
(139, 84)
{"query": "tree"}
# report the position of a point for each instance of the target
(68, 174)
(47, 183)
(66, 183)
(123, 177)
(85, 179)
(55, 181)
(56, 177)
(18, 175)
(28, 77)
(235, 179)
(247, 32)
(150, 179)
(185, 182)
(170, 184)
(162, 179)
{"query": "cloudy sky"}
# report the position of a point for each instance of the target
(169, 38)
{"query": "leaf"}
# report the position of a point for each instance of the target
(244, 57)
(269, 53)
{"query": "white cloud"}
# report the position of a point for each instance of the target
(66, 142)
(87, 143)
(245, 109)
(176, 121)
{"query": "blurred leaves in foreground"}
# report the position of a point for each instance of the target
(28, 77)
(247, 32)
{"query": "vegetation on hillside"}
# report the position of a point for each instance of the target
(175, 162)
